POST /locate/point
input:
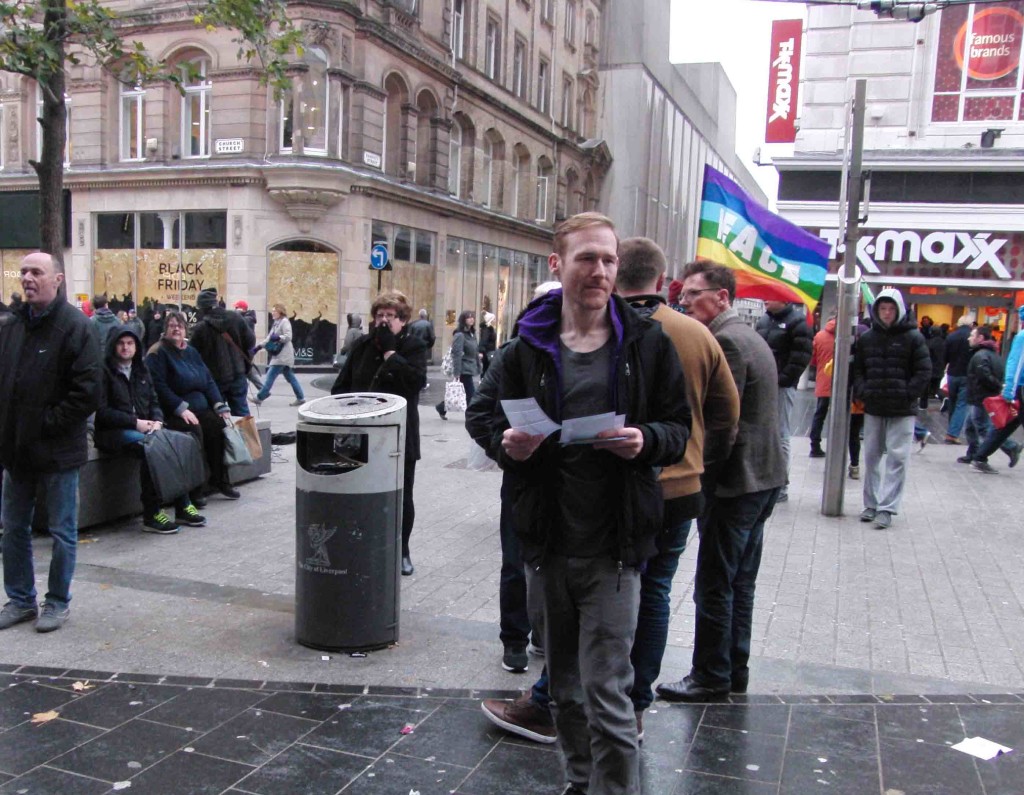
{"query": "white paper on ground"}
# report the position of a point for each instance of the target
(981, 748)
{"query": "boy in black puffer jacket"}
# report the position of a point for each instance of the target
(128, 410)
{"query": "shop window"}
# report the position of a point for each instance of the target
(115, 230)
(978, 76)
(304, 276)
(133, 123)
(39, 128)
(424, 248)
(402, 250)
(206, 230)
(195, 110)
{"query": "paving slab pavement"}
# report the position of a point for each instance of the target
(933, 605)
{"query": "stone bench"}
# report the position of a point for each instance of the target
(108, 484)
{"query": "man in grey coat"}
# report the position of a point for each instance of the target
(741, 495)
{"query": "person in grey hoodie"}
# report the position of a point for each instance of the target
(103, 320)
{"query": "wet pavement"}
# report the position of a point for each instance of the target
(178, 672)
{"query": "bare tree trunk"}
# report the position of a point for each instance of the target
(50, 167)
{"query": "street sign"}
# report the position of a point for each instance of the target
(379, 257)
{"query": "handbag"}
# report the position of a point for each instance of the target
(944, 385)
(175, 463)
(251, 434)
(1000, 410)
(454, 396)
(236, 451)
(273, 347)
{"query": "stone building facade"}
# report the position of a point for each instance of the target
(943, 141)
(453, 132)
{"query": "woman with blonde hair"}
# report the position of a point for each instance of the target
(278, 346)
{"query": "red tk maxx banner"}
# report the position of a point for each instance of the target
(783, 81)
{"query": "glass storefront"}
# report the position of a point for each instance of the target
(143, 259)
(303, 275)
(413, 266)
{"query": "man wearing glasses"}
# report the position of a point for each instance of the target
(740, 494)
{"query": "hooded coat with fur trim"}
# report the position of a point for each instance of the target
(891, 364)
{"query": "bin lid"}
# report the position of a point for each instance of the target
(354, 408)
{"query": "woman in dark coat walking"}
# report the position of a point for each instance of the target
(391, 360)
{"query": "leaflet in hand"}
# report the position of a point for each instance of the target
(527, 415)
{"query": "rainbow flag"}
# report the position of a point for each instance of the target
(774, 259)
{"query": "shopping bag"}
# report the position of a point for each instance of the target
(454, 396)
(236, 452)
(247, 425)
(944, 385)
(447, 365)
(175, 463)
(1000, 410)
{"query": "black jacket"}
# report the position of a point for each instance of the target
(226, 360)
(891, 365)
(402, 374)
(790, 339)
(984, 373)
(958, 351)
(49, 385)
(124, 401)
(648, 388)
(423, 329)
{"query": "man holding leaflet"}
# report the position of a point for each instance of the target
(588, 513)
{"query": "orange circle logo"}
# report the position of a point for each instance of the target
(994, 49)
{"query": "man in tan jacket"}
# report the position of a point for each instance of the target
(714, 403)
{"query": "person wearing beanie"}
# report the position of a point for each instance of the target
(223, 339)
(891, 367)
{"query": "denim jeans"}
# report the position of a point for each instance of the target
(289, 375)
(514, 618)
(655, 607)
(957, 385)
(818, 422)
(997, 437)
(977, 429)
(235, 394)
(728, 558)
(19, 502)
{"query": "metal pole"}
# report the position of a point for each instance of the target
(848, 279)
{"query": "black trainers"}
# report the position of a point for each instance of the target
(52, 617)
(515, 659)
(159, 523)
(229, 491)
(190, 517)
(964, 459)
(984, 466)
(11, 614)
(1014, 456)
(816, 452)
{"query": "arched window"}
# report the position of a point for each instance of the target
(520, 179)
(397, 95)
(572, 193)
(455, 159)
(587, 116)
(493, 163)
(195, 109)
(426, 108)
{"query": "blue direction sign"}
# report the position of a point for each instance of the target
(379, 257)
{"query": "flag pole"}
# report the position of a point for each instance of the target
(847, 293)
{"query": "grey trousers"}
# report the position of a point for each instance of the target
(787, 399)
(591, 612)
(892, 437)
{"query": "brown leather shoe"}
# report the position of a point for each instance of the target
(523, 717)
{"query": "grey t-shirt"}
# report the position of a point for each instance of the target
(586, 476)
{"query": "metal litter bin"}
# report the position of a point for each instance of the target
(348, 521)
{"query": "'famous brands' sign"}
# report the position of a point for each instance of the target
(988, 46)
(972, 251)
(783, 81)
